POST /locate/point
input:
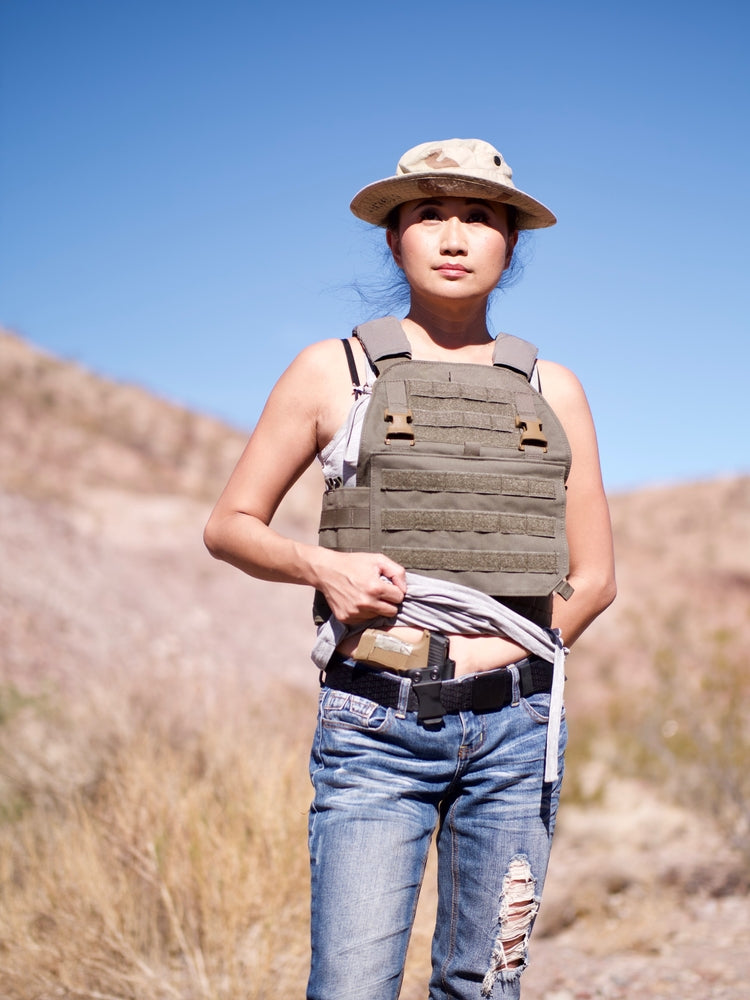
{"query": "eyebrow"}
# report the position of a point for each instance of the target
(441, 201)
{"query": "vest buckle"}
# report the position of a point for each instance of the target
(531, 433)
(400, 429)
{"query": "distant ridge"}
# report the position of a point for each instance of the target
(65, 428)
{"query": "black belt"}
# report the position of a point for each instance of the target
(488, 691)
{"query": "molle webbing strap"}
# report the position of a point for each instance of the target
(476, 521)
(382, 338)
(461, 560)
(494, 484)
(348, 508)
(456, 396)
(357, 516)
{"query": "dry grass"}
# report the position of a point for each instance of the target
(176, 866)
(691, 733)
(151, 849)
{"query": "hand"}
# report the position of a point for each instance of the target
(362, 585)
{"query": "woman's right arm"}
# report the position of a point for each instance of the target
(296, 420)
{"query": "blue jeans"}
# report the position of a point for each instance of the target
(382, 783)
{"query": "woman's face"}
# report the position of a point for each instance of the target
(452, 248)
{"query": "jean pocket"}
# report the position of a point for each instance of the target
(339, 710)
(537, 707)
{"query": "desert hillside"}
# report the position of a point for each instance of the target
(155, 708)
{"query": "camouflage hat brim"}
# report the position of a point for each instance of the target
(461, 168)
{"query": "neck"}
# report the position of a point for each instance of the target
(449, 329)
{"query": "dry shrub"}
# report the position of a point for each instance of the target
(701, 743)
(688, 730)
(176, 867)
(151, 849)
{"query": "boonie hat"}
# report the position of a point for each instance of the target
(460, 168)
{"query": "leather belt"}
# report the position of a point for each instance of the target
(487, 691)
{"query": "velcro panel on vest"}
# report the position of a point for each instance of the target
(461, 560)
(500, 483)
(468, 520)
(453, 414)
(498, 530)
(498, 409)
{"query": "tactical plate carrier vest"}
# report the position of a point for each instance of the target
(461, 473)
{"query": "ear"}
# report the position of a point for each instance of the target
(511, 246)
(394, 245)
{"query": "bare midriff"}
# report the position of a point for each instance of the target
(471, 653)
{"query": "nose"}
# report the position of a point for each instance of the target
(452, 237)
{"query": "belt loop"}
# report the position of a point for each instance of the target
(403, 698)
(516, 687)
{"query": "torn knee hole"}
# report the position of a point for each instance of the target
(518, 907)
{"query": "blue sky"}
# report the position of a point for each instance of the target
(175, 179)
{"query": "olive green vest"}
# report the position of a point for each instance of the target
(461, 471)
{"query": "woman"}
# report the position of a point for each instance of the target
(441, 700)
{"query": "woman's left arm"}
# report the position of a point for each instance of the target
(589, 531)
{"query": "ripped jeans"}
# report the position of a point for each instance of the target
(382, 783)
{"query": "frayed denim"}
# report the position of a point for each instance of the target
(383, 782)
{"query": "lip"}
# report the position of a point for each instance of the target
(452, 269)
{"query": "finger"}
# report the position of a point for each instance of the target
(386, 609)
(394, 572)
(389, 592)
(379, 609)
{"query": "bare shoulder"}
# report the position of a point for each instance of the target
(563, 391)
(310, 376)
(322, 351)
(316, 389)
(321, 359)
(560, 384)
(565, 394)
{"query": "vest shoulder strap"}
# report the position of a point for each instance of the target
(382, 338)
(385, 338)
(512, 352)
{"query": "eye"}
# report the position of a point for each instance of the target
(428, 213)
(478, 215)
